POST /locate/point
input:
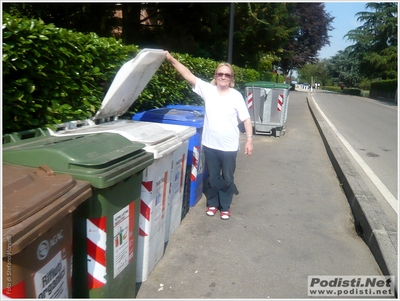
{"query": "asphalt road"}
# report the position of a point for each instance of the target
(290, 220)
(371, 129)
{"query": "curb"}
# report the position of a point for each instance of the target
(371, 224)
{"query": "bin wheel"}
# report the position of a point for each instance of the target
(283, 130)
(280, 131)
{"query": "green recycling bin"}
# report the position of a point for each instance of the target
(267, 103)
(105, 227)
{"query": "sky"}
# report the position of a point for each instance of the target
(345, 20)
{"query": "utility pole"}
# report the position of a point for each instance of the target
(230, 42)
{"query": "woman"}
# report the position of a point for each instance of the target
(224, 108)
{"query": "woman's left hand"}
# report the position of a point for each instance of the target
(248, 148)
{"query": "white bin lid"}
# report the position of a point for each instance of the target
(129, 82)
(182, 131)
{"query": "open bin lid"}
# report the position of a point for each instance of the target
(35, 199)
(103, 159)
(172, 116)
(129, 82)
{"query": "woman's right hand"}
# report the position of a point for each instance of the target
(168, 56)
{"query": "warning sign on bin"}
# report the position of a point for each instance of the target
(123, 239)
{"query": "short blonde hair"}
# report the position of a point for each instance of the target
(232, 83)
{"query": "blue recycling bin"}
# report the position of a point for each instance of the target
(182, 115)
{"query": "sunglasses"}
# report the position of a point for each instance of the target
(227, 75)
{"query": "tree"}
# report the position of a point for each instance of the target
(316, 73)
(261, 29)
(324, 77)
(376, 40)
(292, 33)
(199, 29)
(312, 33)
(344, 68)
(265, 34)
(307, 72)
(83, 17)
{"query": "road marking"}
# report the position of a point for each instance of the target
(373, 177)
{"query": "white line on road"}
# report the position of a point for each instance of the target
(374, 178)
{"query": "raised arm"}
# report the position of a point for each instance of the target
(182, 70)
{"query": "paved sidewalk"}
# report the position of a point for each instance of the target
(290, 220)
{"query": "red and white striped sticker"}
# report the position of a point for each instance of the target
(249, 100)
(280, 102)
(149, 199)
(145, 210)
(96, 242)
(195, 163)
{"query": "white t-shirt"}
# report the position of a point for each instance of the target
(220, 130)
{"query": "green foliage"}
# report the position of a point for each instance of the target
(356, 92)
(384, 89)
(168, 87)
(51, 75)
(286, 30)
(348, 91)
(376, 40)
(344, 67)
(365, 84)
(308, 72)
(333, 88)
(390, 85)
(311, 34)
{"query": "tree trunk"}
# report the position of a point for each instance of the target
(131, 23)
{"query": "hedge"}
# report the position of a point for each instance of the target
(348, 91)
(52, 75)
(384, 89)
